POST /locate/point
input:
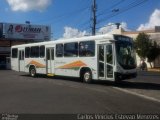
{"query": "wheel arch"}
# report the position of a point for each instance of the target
(31, 69)
(32, 65)
(83, 69)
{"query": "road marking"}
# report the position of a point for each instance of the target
(117, 88)
(137, 94)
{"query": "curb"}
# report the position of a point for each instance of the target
(153, 70)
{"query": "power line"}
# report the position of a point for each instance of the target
(100, 15)
(114, 5)
(62, 17)
(130, 6)
(79, 21)
(84, 23)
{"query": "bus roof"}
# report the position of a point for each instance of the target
(106, 36)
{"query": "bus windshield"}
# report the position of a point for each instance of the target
(125, 54)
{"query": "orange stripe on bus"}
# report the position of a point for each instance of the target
(37, 64)
(73, 65)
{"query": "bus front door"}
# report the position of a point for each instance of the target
(50, 61)
(105, 62)
(21, 60)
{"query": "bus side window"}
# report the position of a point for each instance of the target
(52, 53)
(35, 51)
(59, 50)
(87, 49)
(14, 52)
(22, 56)
(32, 52)
(42, 51)
(71, 49)
(27, 52)
(48, 54)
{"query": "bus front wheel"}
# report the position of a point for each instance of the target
(32, 71)
(87, 77)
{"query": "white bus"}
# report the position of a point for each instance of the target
(101, 57)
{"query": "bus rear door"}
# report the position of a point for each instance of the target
(21, 60)
(50, 61)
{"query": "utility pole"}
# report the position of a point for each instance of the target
(94, 9)
(117, 24)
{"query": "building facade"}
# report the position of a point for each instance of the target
(16, 34)
(154, 35)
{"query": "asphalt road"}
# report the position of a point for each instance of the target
(20, 93)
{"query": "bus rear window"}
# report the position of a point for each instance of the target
(14, 52)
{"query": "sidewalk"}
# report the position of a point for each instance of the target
(154, 69)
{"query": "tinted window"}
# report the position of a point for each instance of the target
(48, 54)
(109, 54)
(27, 52)
(14, 52)
(42, 51)
(22, 56)
(71, 49)
(52, 53)
(35, 51)
(87, 49)
(59, 50)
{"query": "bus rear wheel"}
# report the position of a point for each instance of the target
(87, 77)
(32, 71)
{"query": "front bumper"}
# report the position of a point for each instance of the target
(122, 76)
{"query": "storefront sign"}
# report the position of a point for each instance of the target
(27, 31)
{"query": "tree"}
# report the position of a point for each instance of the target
(146, 48)
(142, 44)
(153, 52)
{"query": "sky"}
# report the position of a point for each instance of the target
(72, 18)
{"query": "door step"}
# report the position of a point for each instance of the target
(50, 74)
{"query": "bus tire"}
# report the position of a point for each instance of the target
(32, 71)
(87, 76)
